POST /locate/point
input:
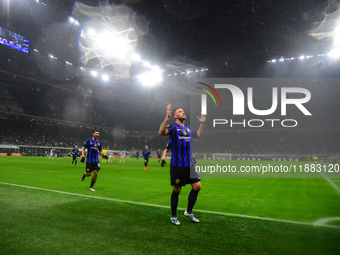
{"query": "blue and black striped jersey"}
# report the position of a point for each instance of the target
(146, 153)
(93, 147)
(180, 144)
(76, 152)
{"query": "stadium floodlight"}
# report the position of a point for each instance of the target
(147, 64)
(335, 53)
(151, 78)
(71, 19)
(169, 74)
(175, 73)
(302, 57)
(105, 77)
(51, 56)
(136, 57)
(273, 60)
(182, 72)
(292, 58)
(281, 59)
(94, 73)
(91, 32)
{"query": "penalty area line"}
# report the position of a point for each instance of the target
(167, 207)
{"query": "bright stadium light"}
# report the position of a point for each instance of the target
(94, 73)
(105, 77)
(302, 57)
(136, 57)
(151, 78)
(91, 32)
(281, 59)
(273, 60)
(335, 53)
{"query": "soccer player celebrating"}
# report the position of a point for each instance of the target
(182, 170)
(122, 155)
(75, 153)
(94, 147)
(159, 155)
(146, 153)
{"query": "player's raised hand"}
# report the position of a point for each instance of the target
(168, 110)
(202, 119)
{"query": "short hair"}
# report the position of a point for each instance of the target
(173, 113)
(96, 130)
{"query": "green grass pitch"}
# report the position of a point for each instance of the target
(46, 209)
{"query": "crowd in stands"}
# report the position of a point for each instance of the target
(26, 131)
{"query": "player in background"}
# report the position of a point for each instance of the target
(75, 153)
(167, 148)
(103, 159)
(110, 156)
(159, 155)
(51, 154)
(58, 154)
(94, 148)
(122, 155)
(146, 154)
(137, 155)
(182, 169)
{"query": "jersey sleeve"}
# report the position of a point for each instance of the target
(170, 127)
(99, 145)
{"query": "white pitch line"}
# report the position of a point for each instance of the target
(332, 183)
(167, 207)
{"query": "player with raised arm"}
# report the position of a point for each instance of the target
(146, 154)
(182, 170)
(75, 153)
(94, 148)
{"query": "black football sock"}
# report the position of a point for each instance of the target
(75, 163)
(92, 183)
(192, 200)
(174, 203)
(145, 164)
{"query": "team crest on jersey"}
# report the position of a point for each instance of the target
(178, 181)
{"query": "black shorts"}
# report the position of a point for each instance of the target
(92, 166)
(74, 158)
(146, 159)
(180, 176)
